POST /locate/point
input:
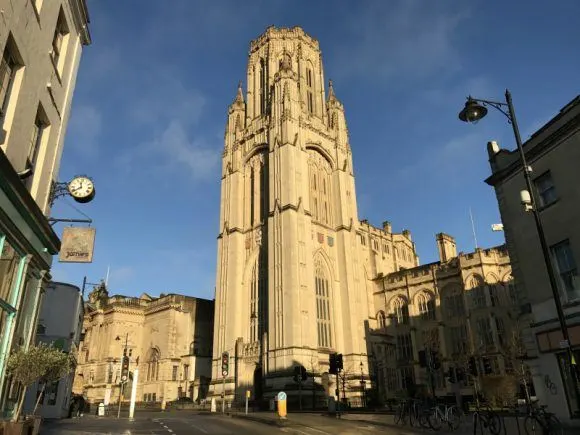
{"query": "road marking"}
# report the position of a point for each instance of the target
(318, 430)
(198, 428)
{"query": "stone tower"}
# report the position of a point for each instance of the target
(294, 262)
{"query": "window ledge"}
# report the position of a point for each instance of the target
(545, 207)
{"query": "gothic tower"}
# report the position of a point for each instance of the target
(293, 275)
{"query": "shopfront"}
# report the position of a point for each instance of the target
(27, 244)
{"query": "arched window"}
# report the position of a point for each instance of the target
(401, 311)
(453, 303)
(320, 187)
(323, 306)
(153, 365)
(263, 86)
(257, 188)
(258, 296)
(426, 306)
(310, 90)
(382, 319)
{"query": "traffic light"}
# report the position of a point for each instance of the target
(472, 365)
(303, 374)
(435, 361)
(333, 364)
(487, 366)
(125, 369)
(422, 358)
(225, 364)
(339, 365)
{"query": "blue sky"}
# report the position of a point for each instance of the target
(152, 93)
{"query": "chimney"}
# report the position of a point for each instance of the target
(387, 227)
(446, 247)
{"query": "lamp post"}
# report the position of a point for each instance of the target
(362, 386)
(122, 382)
(474, 110)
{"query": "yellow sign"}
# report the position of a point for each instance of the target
(282, 404)
(77, 245)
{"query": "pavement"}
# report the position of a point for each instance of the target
(256, 423)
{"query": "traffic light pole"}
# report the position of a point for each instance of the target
(224, 395)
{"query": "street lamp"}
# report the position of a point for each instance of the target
(124, 364)
(362, 385)
(474, 110)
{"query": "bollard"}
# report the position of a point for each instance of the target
(282, 405)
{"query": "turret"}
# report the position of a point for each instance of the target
(236, 119)
(335, 117)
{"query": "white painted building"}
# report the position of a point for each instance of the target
(60, 324)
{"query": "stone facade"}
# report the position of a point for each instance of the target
(169, 339)
(41, 43)
(463, 305)
(553, 153)
(295, 265)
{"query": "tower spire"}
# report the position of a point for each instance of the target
(240, 95)
(331, 95)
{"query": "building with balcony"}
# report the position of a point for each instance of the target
(553, 153)
(168, 338)
(41, 43)
(461, 306)
(59, 324)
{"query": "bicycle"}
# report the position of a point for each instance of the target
(484, 415)
(451, 415)
(540, 421)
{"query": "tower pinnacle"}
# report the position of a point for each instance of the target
(331, 95)
(240, 95)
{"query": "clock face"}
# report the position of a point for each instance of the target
(81, 189)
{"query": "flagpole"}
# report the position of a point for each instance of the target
(473, 228)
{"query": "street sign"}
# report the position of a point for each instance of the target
(224, 373)
(281, 395)
(564, 344)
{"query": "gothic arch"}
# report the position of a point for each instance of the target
(473, 281)
(491, 278)
(427, 292)
(251, 261)
(320, 252)
(256, 150)
(507, 277)
(391, 303)
(322, 152)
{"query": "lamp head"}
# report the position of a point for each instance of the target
(473, 111)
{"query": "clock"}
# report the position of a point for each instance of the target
(81, 189)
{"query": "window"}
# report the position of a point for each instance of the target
(566, 266)
(323, 307)
(401, 312)
(153, 365)
(454, 306)
(174, 373)
(391, 379)
(309, 91)
(458, 340)
(186, 372)
(407, 377)
(404, 347)
(59, 42)
(512, 292)
(258, 298)
(110, 374)
(493, 297)
(478, 297)
(500, 327)
(382, 320)
(546, 189)
(263, 86)
(426, 306)
(363, 240)
(484, 332)
(8, 68)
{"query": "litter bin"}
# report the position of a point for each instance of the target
(101, 412)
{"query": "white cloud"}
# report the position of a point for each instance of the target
(84, 129)
(410, 39)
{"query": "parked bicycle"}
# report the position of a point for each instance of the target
(487, 418)
(541, 422)
(442, 413)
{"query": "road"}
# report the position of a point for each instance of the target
(261, 423)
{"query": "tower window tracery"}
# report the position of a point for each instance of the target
(323, 306)
(263, 86)
(320, 188)
(310, 90)
(257, 188)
